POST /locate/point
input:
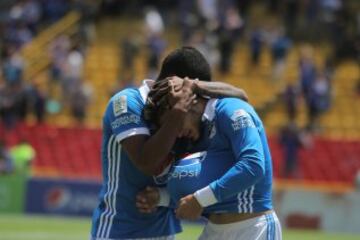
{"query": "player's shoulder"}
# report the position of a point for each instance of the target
(229, 105)
(232, 109)
(131, 94)
(128, 99)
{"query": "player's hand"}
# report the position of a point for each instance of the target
(184, 98)
(163, 87)
(170, 90)
(147, 200)
(189, 208)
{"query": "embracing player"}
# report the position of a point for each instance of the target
(231, 183)
(130, 155)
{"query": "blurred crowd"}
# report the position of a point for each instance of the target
(216, 28)
(20, 22)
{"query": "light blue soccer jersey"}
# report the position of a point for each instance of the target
(237, 166)
(116, 216)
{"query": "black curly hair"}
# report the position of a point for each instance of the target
(185, 62)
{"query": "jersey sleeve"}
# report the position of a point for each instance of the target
(124, 115)
(239, 128)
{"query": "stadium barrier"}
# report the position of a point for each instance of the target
(63, 197)
(12, 188)
(311, 208)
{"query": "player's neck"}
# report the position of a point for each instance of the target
(200, 106)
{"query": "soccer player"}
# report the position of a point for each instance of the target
(130, 155)
(233, 181)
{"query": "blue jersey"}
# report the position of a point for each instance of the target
(237, 167)
(116, 216)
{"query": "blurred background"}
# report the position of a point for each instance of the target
(61, 61)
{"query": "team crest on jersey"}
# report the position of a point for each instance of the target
(241, 119)
(120, 105)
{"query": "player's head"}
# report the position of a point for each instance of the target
(192, 122)
(185, 62)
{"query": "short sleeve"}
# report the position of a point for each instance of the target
(124, 115)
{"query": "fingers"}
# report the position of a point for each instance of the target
(187, 83)
(143, 206)
(159, 93)
(160, 83)
(146, 201)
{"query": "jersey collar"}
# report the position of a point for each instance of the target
(144, 89)
(209, 112)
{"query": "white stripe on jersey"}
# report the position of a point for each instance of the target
(112, 146)
(244, 201)
(117, 173)
(239, 196)
(101, 222)
(113, 165)
(251, 199)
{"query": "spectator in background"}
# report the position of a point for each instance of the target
(37, 99)
(291, 141)
(154, 25)
(7, 107)
(23, 154)
(13, 104)
(206, 44)
(256, 46)
(279, 50)
(229, 31)
(291, 101)
(187, 19)
(59, 51)
(23, 34)
(290, 15)
(156, 46)
(88, 9)
(129, 48)
(307, 74)
(73, 72)
(55, 9)
(79, 100)
(32, 14)
(320, 97)
(6, 162)
(13, 66)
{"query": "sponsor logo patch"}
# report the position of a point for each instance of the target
(124, 120)
(120, 105)
(241, 119)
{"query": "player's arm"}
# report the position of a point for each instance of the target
(219, 90)
(239, 128)
(203, 88)
(149, 152)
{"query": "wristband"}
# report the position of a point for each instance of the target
(205, 197)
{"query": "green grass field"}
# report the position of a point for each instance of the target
(19, 227)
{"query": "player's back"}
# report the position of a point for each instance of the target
(116, 216)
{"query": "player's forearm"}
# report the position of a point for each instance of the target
(218, 90)
(239, 178)
(159, 145)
